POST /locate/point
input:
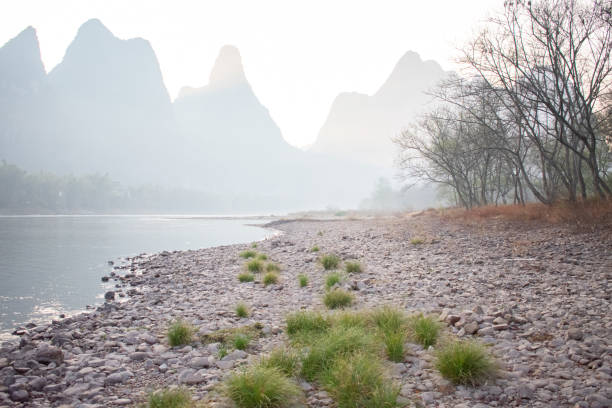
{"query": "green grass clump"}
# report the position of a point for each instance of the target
(241, 341)
(358, 381)
(262, 257)
(242, 310)
(254, 245)
(222, 351)
(337, 299)
(351, 319)
(270, 278)
(389, 319)
(353, 267)
(303, 279)
(465, 362)
(391, 323)
(179, 333)
(272, 267)
(305, 323)
(261, 387)
(226, 336)
(394, 345)
(314, 248)
(417, 241)
(255, 265)
(248, 254)
(285, 360)
(425, 330)
(170, 398)
(332, 279)
(246, 277)
(330, 261)
(336, 343)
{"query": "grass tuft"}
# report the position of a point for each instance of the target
(303, 279)
(337, 299)
(333, 344)
(261, 387)
(394, 345)
(242, 310)
(272, 267)
(270, 278)
(254, 245)
(170, 398)
(255, 266)
(330, 261)
(351, 319)
(283, 359)
(389, 319)
(417, 241)
(241, 341)
(332, 279)
(246, 277)
(358, 381)
(353, 267)
(314, 248)
(465, 362)
(248, 254)
(302, 323)
(179, 333)
(262, 257)
(425, 330)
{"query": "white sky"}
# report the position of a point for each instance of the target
(297, 55)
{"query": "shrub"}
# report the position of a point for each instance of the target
(303, 279)
(179, 333)
(241, 341)
(336, 343)
(242, 310)
(254, 265)
(332, 279)
(337, 298)
(282, 359)
(424, 329)
(170, 398)
(272, 267)
(262, 257)
(330, 261)
(314, 249)
(417, 241)
(261, 387)
(394, 345)
(306, 323)
(353, 267)
(358, 381)
(270, 278)
(248, 254)
(246, 277)
(465, 362)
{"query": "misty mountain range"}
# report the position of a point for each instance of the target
(105, 109)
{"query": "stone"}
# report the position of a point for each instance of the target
(471, 328)
(575, 334)
(199, 362)
(115, 378)
(110, 295)
(20, 396)
(49, 354)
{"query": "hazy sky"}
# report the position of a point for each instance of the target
(297, 55)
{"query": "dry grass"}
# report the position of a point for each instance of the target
(584, 213)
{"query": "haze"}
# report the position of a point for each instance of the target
(298, 55)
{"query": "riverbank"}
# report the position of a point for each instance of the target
(538, 294)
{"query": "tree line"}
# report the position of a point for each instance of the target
(530, 118)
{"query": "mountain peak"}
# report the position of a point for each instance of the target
(227, 70)
(94, 28)
(20, 58)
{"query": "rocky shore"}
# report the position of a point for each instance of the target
(539, 295)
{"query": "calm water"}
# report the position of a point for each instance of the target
(52, 265)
